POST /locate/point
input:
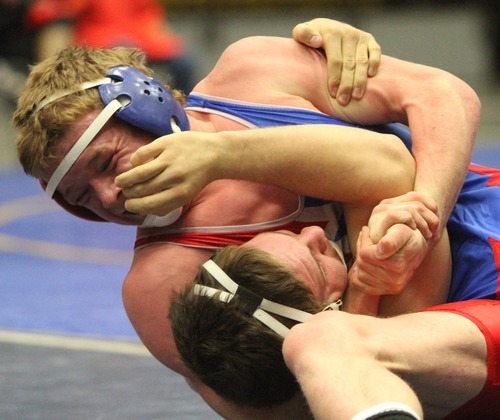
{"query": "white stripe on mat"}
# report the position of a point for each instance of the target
(73, 343)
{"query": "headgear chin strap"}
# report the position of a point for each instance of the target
(250, 302)
(135, 98)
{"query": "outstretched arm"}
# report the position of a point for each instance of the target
(174, 168)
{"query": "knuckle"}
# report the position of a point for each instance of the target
(375, 47)
(362, 59)
(349, 63)
(336, 60)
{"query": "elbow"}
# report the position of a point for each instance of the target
(458, 93)
(470, 100)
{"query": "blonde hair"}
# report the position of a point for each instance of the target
(38, 133)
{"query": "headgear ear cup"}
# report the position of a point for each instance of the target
(151, 106)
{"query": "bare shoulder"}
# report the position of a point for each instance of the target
(270, 70)
(157, 272)
(258, 45)
(257, 56)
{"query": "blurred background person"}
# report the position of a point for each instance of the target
(15, 48)
(110, 23)
(16, 52)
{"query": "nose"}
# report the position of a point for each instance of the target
(108, 193)
(314, 238)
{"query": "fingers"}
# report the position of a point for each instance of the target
(394, 240)
(336, 72)
(374, 56)
(360, 57)
(158, 204)
(412, 209)
(376, 273)
(137, 179)
(307, 35)
(144, 165)
(415, 217)
(413, 196)
(343, 64)
(148, 152)
(353, 55)
(378, 228)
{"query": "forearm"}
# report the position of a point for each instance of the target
(344, 164)
(443, 124)
(357, 302)
(442, 112)
(338, 163)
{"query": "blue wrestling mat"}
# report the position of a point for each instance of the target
(59, 274)
(67, 349)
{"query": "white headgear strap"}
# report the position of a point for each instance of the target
(61, 94)
(80, 145)
(252, 303)
(86, 137)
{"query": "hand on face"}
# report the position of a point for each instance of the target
(90, 182)
(352, 55)
(168, 172)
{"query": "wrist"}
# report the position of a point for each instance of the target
(231, 161)
(216, 162)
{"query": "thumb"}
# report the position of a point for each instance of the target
(384, 249)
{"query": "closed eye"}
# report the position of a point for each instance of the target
(106, 164)
(321, 267)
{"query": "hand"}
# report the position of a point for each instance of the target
(413, 209)
(351, 53)
(399, 234)
(168, 172)
(387, 267)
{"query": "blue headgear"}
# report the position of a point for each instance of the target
(135, 98)
(151, 106)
